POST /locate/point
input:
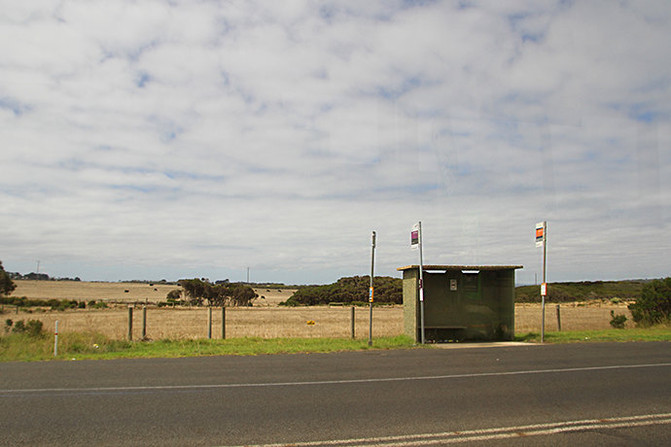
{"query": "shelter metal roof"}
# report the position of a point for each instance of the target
(461, 267)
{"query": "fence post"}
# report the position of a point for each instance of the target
(223, 322)
(209, 323)
(558, 319)
(144, 322)
(130, 322)
(352, 318)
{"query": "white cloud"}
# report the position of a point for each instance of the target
(175, 138)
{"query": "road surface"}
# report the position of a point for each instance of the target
(607, 394)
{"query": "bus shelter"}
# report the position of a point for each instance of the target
(461, 302)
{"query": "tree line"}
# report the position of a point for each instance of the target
(349, 290)
(38, 277)
(563, 292)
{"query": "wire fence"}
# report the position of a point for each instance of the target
(274, 322)
(263, 322)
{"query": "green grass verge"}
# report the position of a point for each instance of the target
(87, 345)
(80, 346)
(657, 333)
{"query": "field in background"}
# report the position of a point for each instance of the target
(122, 291)
(264, 320)
(87, 291)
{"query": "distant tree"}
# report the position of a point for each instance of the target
(233, 294)
(194, 289)
(174, 296)
(654, 304)
(7, 286)
(37, 276)
(241, 295)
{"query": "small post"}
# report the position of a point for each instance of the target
(144, 322)
(223, 323)
(558, 319)
(130, 322)
(352, 319)
(209, 323)
(56, 340)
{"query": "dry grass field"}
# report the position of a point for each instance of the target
(122, 292)
(261, 322)
(87, 291)
(265, 319)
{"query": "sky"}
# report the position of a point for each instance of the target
(168, 139)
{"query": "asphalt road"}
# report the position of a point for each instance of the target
(588, 394)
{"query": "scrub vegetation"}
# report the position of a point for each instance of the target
(350, 290)
(562, 292)
(654, 304)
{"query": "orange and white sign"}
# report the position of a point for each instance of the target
(540, 234)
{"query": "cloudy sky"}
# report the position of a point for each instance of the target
(177, 138)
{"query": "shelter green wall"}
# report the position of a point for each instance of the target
(481, 307)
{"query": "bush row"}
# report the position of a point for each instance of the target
(52, 303)
(563, 292)
(350, 290)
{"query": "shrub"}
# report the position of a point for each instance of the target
(617, 321)
(654, 304)
(33, 328)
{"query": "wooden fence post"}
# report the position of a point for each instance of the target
(558, 319)
(352, 318)
(144, 322)
(223, 322)
(130, 322)
(209, 323)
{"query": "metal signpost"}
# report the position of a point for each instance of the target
(416, 242)
(541, 241)
(370, 292)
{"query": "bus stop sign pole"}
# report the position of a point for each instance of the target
(541, 240)
(371, 292)
(416, 242)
